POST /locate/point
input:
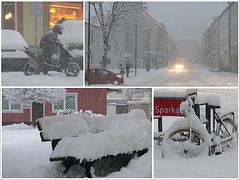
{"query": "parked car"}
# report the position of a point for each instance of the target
(13, 58)
(103, 76)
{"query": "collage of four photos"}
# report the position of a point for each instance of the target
(119, 89)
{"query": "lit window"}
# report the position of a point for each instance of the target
(8, 106)
(70, 11)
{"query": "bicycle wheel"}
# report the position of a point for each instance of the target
(185, 145)
(229, 135)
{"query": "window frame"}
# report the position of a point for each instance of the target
(64, 103)
(10, 110)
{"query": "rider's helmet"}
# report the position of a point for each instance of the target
(57, 29)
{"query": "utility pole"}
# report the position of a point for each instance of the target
(148, 60)
(136, 48)
(148, 43)
(156, 50)
(88, 65)
(162, 50)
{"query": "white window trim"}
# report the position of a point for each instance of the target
(64, 103)
(12, 111)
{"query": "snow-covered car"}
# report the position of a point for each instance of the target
(13, 58)
(73, 36)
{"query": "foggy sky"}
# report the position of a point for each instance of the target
(185, 18)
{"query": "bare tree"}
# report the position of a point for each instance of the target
(108, 15)
(136, 94)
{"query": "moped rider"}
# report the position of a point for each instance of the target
(49, 41)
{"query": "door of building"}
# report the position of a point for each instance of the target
(37, 112)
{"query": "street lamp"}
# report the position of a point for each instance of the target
(136, 48)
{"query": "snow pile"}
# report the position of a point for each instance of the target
(190, 92)
(144, 101)
(17, 127)
(118, 134)
(12, 40)
(76, 52)
(185, 107)
(211, 99)
(72, 32)
(57, 127)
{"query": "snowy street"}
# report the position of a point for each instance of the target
(193, 75)
(224, 165)
(52, 79)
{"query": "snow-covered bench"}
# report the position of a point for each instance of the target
(97, 142)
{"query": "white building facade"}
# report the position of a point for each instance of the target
(233, 12)
(224, 40)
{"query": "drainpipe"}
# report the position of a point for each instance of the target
(16, 16)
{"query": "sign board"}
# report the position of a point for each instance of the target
(167, 106)
(36, 8)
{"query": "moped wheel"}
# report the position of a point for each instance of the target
(29, 70)
(230, 133)
(184, 145)
(72, 69)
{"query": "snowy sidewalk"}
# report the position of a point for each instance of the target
(52, 79)
(25, 156)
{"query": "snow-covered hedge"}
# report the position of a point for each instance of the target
(97, 136)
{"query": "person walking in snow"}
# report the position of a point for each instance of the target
(121, 69)
(127, 69)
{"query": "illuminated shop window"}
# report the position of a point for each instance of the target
(70, 11)
(8, 15)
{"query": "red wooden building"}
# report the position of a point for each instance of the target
(94, 99)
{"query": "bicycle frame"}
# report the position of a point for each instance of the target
(216, 118)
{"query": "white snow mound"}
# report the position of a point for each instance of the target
(211, 99)
(112, 135)
(60, 126)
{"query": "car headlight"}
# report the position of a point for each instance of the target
(179, 66)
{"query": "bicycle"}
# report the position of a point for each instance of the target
(188, 137)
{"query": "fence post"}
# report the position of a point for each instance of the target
(208, 116)
(197, 110)
(160, 124)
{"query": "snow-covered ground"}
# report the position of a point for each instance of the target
(204, 166)
(52, 79)
(25, 156)
(192, 75)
